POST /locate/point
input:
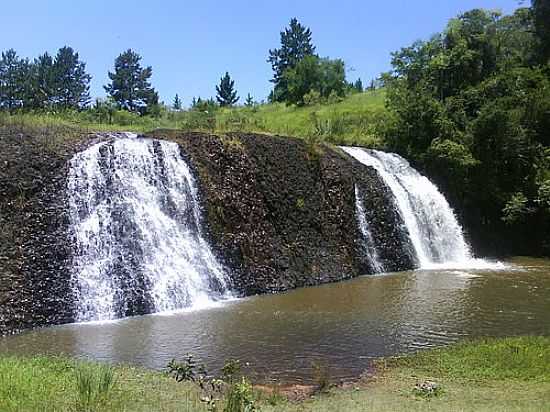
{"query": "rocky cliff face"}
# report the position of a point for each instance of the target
(280, 213)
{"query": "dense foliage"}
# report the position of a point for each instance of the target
(226, 95)
(130, 87)
(472, 107)
(299, 75)
(45, 83)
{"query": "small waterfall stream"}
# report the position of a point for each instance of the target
(136, 225)
(369, 244)
(434, 231)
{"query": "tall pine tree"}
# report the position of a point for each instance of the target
(130, 86)
(72, 83)
(296, 44)
(12, 77)
(226, 93)
(43, 82)
(177, 103)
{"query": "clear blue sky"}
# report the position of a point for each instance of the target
(190, 44)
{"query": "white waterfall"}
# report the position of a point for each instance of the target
(434, 231)
(369, 244)
(136, 223)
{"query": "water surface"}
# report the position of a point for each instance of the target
(344, 324)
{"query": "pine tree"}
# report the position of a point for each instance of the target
(72, 83)
(130, 86)
(296, 44)
(358, 85)
(226, 93)
(43, 80)
(177, 103)
(12, 77)
(249, 102)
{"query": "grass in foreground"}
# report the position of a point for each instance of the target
(489, 375)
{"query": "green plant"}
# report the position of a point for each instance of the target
(92, 386)
(188, 370)
(231, 369)
(427, 390)
(240, 397)
(321, 376)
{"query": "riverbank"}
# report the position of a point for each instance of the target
(510, 374)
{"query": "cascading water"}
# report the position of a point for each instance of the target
(136, 222)
(434, 231)
(369, 245)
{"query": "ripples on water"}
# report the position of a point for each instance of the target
(344, 324)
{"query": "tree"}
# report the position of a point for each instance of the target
(43, 81)
(226, 93)
(12, 76)
(296, 44)
(358, 85)
(249, 102)
(72, 83)
(312, 74)
(177, 103)
(541, 11)
(130, 86)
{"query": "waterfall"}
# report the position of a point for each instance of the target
(434, 231)
(136, 226)
(369, 245)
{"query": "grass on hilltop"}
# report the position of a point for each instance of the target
(489, 375)
(352, 120)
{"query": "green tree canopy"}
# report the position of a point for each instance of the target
(43, 82)
(471, 107)
(296, 44)
(130, 86)
(314, 74)
(177, 105)
(541, 10)
(72, 83)
(225, 91)
(12, 77)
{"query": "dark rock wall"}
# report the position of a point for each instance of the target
(279, 212)
(282, 212)
(34, 246)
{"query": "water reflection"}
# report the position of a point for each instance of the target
(344, 324)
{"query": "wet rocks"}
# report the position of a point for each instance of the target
(282, 213)
(279, 212)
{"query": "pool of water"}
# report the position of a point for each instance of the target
(342, 325)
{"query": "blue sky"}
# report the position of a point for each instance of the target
(190, 44)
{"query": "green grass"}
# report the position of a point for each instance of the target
(61, 384)
(488, 375)
(351, 121)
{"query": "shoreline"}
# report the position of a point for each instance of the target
(487, 374)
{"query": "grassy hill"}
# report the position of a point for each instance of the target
(352, 120)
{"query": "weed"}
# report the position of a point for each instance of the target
(240, 397)
(427, 390)
(321, 376)
(92, 386)
(188, 370)
(231, 370)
